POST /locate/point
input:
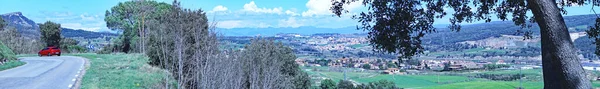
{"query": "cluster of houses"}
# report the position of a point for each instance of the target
(438, 65)
(350, 62)
(434, 65)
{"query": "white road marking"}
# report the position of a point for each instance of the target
(73, 80)
(70, 85)
(76, 75)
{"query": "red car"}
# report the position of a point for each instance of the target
(49, 51)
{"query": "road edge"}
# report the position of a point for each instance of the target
(77, 84)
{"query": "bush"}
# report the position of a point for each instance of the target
(495, 66)
(68, 45)
(502, 77)
(327, 84)
(345, 84)
(381, 84)
(366, 66)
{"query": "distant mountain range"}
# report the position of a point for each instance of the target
(29, 28)
(24, 25)
(305, 30)
(577, 23)
(67, 32)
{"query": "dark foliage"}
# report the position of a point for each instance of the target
(328, 84)
(501, 77)
(345, 84)
(50, 33)
(398, 26)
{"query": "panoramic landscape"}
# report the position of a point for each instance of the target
(304, 44)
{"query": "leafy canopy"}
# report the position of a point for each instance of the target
(2, 23)
(397, 26)
(50, 33)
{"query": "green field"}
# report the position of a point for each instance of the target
(122, 71)
(489, 85)
(432, 81)
(526, 72)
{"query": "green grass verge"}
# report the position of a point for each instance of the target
(27, 55)
(121, 71)
(11, 64)
(6, 53)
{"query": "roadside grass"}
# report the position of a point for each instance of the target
(595, 84)
(27, 55)
(6, 53)
(11, 64)
(122, 71)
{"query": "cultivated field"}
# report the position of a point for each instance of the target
(446, 80)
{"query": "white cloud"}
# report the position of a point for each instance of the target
(290, 22)
(229, 24)
(254, 16)
(85, 17)
(263, 25)
(321, 7)
(291, 13)
(81, 26)
(219, 8)
(251, 7)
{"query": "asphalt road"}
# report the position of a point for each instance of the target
(43, 73)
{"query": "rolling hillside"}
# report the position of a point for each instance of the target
(578, 23)
(28, 28)
(24, 25)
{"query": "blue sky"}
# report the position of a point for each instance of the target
(89, 14)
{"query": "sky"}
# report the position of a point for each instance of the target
(89, 14)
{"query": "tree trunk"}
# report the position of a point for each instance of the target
(561, 66)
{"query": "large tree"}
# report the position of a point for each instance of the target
(130, 17)
(396, 26)
(2, 23)
(50, 33)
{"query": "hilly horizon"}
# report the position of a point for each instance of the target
(30, 29)
(576, 23)
(299, 44)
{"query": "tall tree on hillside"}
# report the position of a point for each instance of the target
(130, 17)
(2, 23)
(50, 33)
(396, 26)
